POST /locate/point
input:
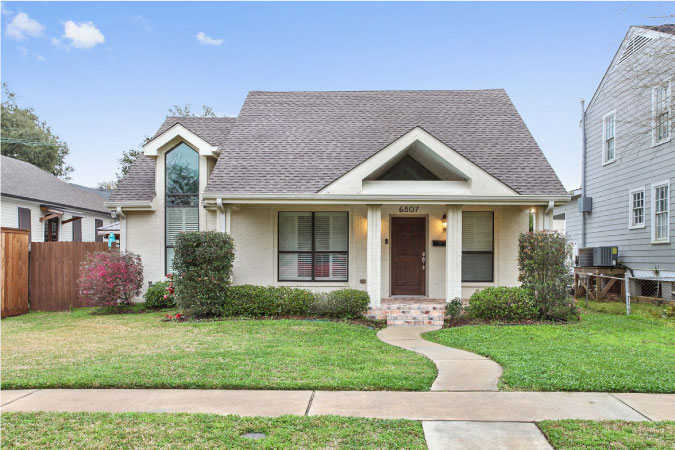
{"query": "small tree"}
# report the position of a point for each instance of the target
(543, 262)
(202, 267)
(110, 278)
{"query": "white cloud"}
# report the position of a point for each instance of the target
(27, 54)
(205, 40)
(142, 21)
(39, 57)
(23, 26)
(80, 35)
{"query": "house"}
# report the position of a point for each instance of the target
(401, 193)
(52, 209)
(629, 157)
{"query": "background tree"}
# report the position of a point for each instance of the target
(27, 138)
(186, 111)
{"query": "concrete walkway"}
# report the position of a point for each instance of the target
(428, 406)
(457, 370)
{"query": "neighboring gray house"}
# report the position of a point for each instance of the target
(51, 209)
(629, 157)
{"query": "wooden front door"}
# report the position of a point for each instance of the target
(408, 255)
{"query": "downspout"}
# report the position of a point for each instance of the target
(583, 173)
(123, 228)
(547, 218)
(221, 213)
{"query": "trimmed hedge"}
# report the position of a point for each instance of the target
(266, 301)
(202, 267)
(154, 296)
(342, 304)
(503, 303)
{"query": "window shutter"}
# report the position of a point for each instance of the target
(477, 246)
(179, 220)
(477, 231)
(77, 230)
(98, 223)
(24, 219)
(331, 233)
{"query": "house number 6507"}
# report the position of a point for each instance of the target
(409, 208)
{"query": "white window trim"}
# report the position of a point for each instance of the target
(604, 153)
(670, 113)
(630, 209)
(653, 212)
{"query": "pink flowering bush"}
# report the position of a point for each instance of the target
(110, 278)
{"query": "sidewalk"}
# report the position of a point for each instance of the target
(429, 406)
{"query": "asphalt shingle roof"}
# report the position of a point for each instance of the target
(139, 183)
(665, 28)
(299, 142)
(24, 180)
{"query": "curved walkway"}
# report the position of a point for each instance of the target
(458, 370)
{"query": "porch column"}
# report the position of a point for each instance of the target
(374, 254)
(453, 253)
(539, 218)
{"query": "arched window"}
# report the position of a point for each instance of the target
(182, 195)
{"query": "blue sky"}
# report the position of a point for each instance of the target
(104, 74)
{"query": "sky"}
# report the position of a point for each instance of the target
(103, 75)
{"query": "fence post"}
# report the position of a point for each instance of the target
(627, 289)
(587, 278)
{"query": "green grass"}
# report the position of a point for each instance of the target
(584, 434)
(603, 352)
(79, 350)
(152, 430)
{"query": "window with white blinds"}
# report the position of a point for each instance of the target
(477, 246)
(313, 246)
(182, 196)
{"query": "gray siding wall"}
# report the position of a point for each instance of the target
(572, 221)
(628, 91)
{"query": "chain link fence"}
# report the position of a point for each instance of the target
(629, 289)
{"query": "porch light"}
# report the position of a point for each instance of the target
(444, 221)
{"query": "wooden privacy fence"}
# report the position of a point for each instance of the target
(54, 269)
(14, 274)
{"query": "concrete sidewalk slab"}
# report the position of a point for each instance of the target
(10, 396)
(458, 370)
(243, 403)
(654, 406)
(474, 406)
(482, 435)
(466, 375)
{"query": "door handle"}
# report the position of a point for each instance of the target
(424, 259)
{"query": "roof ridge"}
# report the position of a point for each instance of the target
(378, 91)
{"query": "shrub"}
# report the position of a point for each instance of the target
(341, 304)
(110, 278)
(544, 265)
(567, 313)
(503, 303)
(266, 301)
(160, 295)
(454, 309)
(202, 267)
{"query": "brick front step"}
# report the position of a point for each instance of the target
(423, 313)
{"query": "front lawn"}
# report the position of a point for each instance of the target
(79, 350)
(585, 434)
(152, 430)
(603, 352)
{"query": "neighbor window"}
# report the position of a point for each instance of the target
(98, 223)
(608, 126)
(182, 196)
(313, 246)
(477, 246)
(637, 208)
(52, 230)
(661, 212)
(661, 112)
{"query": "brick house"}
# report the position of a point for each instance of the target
(401, 193)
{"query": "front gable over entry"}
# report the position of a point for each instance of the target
(174, 136)
(417, 163)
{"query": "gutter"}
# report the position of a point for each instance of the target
(543, 200)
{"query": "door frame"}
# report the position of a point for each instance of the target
(426, 250)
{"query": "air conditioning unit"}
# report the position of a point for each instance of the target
(598, 256)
